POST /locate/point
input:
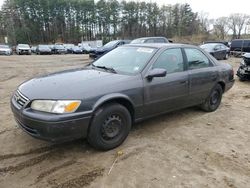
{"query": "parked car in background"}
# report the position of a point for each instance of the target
(23, 49)
(107, 48)
(244, 70)
(86, 48)
(43, 49)
(240, 46)
(58, 49)
(75, 50)
(219, 51)
(150, 40)
(129, 84)
(5, 49)
(68, 47)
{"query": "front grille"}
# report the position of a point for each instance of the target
(20, 99)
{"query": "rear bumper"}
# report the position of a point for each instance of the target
(51, 127)
(229, 85)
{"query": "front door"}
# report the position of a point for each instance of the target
(169, 92)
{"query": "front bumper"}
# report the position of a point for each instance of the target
(244, 73)
(51, 127)
(5, 52)
(24, 52)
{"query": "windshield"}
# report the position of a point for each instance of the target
(24, 45)
(208, 46)
(128, 60)
(110, 44)
(137, 41)
(4, 46)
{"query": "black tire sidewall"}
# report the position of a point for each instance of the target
(207, 106)
(94, 136)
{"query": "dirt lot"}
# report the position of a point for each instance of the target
(188, 148)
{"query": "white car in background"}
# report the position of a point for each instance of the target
(5, 49)
(23, 49)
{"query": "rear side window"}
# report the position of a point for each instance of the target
(196, 59)
(236, 44)
(171, 60)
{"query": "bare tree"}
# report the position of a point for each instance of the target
(236, 23)
(204, 21)
(221, 27)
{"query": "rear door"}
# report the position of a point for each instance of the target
(202, 75)
(169, 92)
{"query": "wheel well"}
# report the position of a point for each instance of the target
(222, 84)
(124, 102)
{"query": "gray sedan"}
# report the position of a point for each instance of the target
(131, 83)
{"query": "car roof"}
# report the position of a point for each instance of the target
(160, 45)
(215, 43)
(150, 38)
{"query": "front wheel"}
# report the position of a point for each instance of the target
(110, 127)
(226, 56)
(214, 99)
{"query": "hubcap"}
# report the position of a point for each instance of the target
(111, 127)
(214, 98)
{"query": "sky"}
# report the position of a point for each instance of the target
(214, 8)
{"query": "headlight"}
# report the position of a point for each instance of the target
(59, 107)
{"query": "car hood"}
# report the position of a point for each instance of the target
(73, 84)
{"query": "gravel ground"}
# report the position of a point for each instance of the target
(187, 148)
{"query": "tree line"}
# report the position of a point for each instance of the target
(71, 21)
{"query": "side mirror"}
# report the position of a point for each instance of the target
(216, 49)
(156, 73)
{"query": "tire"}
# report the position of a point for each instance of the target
(110, 127)
(226, 56)
(214, 99)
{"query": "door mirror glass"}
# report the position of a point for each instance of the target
(156, 73)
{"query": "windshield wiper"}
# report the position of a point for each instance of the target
(105, 68)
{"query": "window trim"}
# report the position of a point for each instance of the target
(211, 64)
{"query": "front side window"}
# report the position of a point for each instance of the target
(171, 60)
(196, 59)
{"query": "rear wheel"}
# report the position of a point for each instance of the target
(110, 127)
(214, 99)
